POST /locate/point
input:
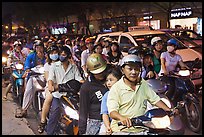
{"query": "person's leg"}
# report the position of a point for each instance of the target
(54, 116)
(8, 88)
(27, 98)
(45, 110)
(93, 126)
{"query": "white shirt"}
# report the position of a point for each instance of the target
(58, 74)
(170, 62)
(84, 56)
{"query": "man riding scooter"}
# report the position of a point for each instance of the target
(33, 59)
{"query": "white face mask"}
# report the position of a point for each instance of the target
(170, 48)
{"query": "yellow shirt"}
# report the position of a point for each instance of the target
(129, 103)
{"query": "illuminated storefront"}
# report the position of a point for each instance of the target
(184, 17)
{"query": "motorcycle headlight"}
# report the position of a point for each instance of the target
(71, 113)
(19, 66)
(161, 122)
(8, 52)
(184, 72)
(4, 59)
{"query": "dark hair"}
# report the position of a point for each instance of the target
(66, 50)
(115, 71)
(98, 44)
(117, 45)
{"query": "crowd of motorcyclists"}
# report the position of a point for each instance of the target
(114, 87)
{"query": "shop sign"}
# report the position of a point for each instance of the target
(181, 13)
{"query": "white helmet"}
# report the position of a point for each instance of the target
(108, 39)
(155, 40)
(17, 43)
(130, 59)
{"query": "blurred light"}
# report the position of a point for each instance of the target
(6, 27)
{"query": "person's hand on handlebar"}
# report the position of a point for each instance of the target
(126, 121)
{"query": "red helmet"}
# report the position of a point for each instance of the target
(89, 40)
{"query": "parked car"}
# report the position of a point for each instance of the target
(185, 33)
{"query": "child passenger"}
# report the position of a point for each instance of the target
(113, 75)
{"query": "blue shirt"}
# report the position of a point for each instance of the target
(104, 108)
(32, 60)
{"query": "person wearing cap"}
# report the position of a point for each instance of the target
(169, 59)
(36, 58)
(158, 47)
(84, 55)
(91, 93)
(128, 97)
(14, 57)
(52, 56)
(60, 72)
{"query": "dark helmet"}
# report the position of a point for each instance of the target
(136, 50)
(147, 51)
(66, 50)
(172, 42)
(52, 48)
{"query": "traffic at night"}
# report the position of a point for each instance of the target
(101, 68)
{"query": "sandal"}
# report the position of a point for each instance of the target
(41, 127)
(22, 114)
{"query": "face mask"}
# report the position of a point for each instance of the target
(54, 56)
(170, 48)
(62, 58)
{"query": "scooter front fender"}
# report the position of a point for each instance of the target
(19, 82)
(176, 126)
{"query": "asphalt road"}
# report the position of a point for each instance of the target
(28, 126)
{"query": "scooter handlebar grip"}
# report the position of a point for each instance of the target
(120, 124)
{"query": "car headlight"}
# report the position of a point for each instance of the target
(184, 72)
(4, 59)
(19, 66)
(71, 113)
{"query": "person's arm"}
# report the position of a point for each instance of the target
(183, 65)
(124, 120)
(163, 66)
(83, 63)
(106, 123)
(51, 77)
(162, 105)
(27, 64)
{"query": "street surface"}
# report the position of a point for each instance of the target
(28, 126)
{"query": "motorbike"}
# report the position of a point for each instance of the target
(161, 88)
(6, 70)
(195, 74)
(154, 122)
(68, 123)
(182, 91)
(18, 86)
(37, 74)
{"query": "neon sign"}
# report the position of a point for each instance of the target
(181, 13)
